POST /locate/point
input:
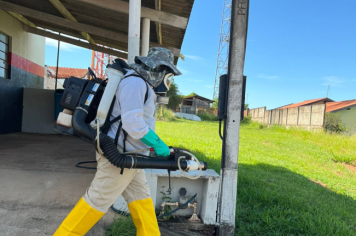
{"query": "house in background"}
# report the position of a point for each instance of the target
(193, 104)
(347, 111)
(63, 73)
(308, 103)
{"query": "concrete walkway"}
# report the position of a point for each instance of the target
(39, 184)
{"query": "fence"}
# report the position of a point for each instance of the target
(312, 116)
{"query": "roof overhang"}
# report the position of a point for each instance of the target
(199, 97)
(101, 23)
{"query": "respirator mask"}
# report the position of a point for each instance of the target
(162, 89)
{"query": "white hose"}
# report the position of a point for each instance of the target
(194, 159)
(98, 138)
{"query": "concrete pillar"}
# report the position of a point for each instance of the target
(229, 160)
(145, 43)
(134, 30)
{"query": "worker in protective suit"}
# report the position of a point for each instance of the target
(136, 103)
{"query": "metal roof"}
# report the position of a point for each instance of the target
(199, 97)
(336, 106)
(307, 102)
(103, 22)
(66, 72)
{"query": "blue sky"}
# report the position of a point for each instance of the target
(294, 50)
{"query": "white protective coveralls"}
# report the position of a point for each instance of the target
(108, 184)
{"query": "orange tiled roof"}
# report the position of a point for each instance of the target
(66, 72)
(334, 106)
(305, 103)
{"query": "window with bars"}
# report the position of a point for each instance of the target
(4, 50)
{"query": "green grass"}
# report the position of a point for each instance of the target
(122, 226)
(291, 182)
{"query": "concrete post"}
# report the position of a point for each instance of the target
(237, 48)
(134, 30)
(287, 117)
(145, 43)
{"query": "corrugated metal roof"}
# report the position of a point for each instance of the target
(200, 97)
(66, 72)
(306, 102)
(335, 106)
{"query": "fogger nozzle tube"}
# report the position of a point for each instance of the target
(87, 133)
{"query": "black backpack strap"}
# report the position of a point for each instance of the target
(105, 128)
(125, 139)
(146, 95)
(116, 140)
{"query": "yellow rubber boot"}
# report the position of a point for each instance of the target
(79, 221)
(144, 217)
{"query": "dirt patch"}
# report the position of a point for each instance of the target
(319, 183)
(351, 167)
(339, 174)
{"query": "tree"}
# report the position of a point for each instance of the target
(246, 106)
(216, 103)
(174, 95)
(191, 94)
(173, 90)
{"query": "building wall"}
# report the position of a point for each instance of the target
(200, 103)
(26, 61)
(38, 111)
(306, 116)
(348, 117)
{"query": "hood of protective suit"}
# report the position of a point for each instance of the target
(153, 78)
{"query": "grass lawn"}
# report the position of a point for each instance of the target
(291, 182)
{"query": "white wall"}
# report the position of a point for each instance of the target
(29, 46)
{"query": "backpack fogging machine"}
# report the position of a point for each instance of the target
(88, 103)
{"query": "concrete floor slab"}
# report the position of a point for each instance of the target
(39, 184)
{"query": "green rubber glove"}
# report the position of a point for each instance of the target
(151, 139)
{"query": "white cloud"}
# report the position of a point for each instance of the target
(333, 81)
(63, 46)
(208, 86)
(195, 58)
(269, 77)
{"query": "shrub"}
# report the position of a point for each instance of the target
(246, 120)
(168, 115)
(333, 123)
(206, 116)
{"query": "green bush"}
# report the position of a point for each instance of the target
(333, 123)
(246, 120)
(168, 115)
(206, 116)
